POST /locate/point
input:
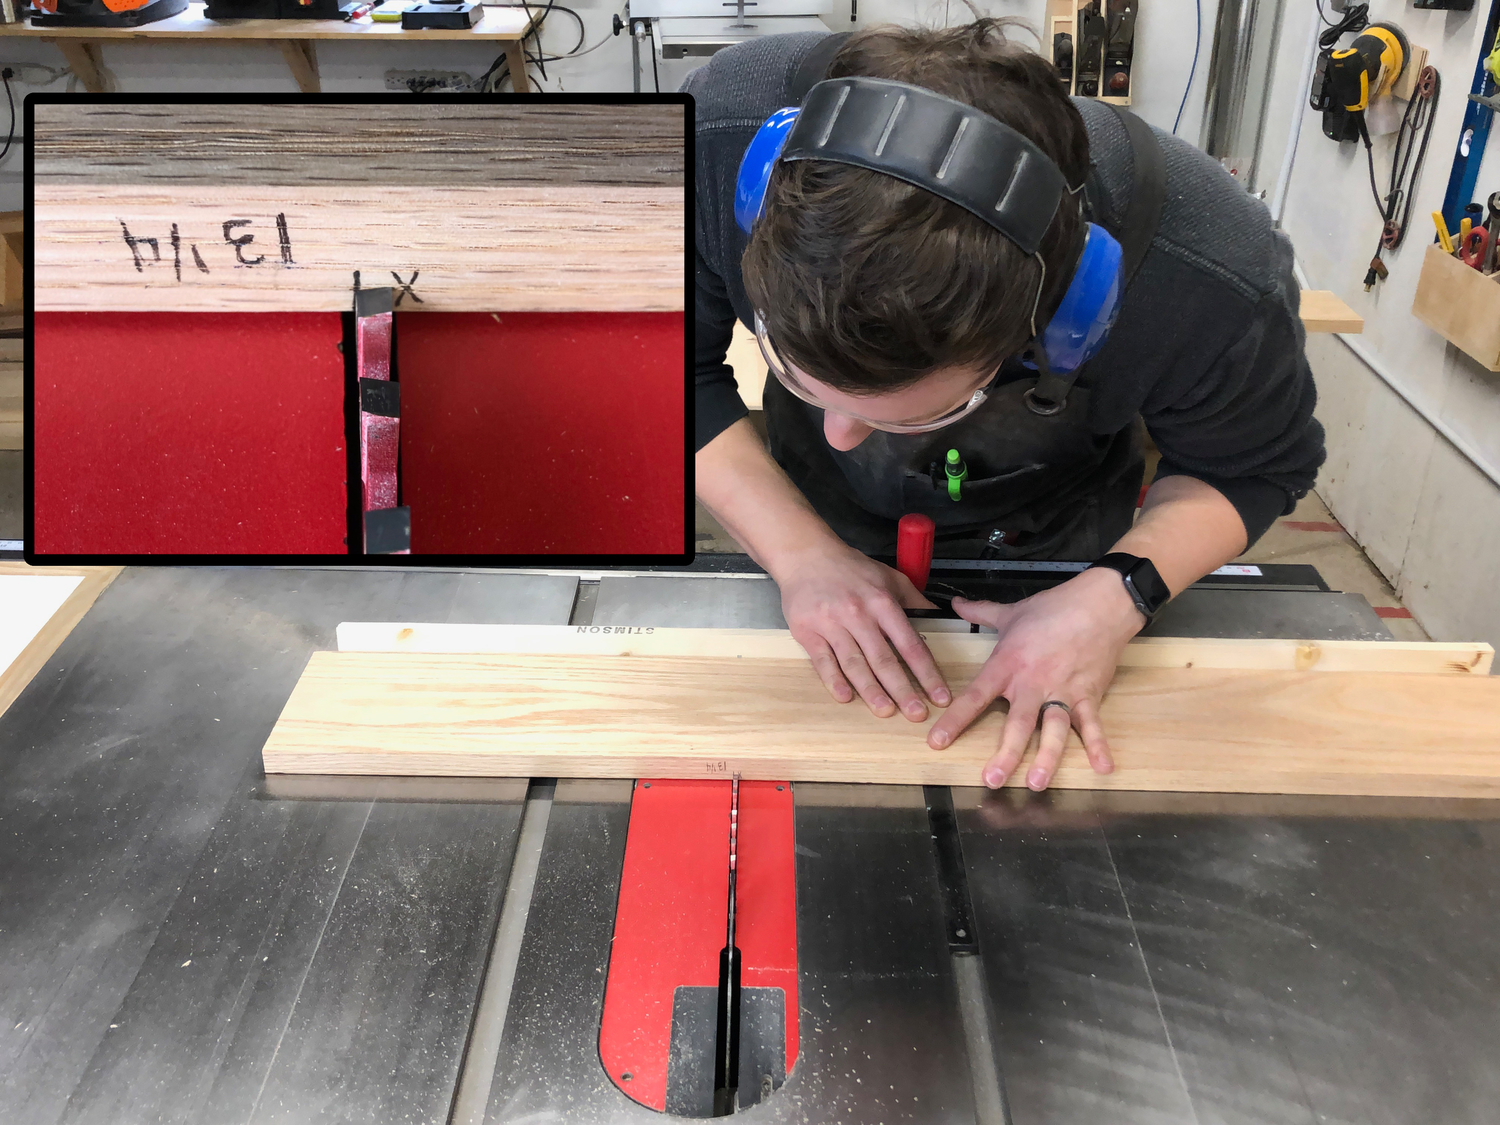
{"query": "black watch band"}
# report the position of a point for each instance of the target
(1142, 583)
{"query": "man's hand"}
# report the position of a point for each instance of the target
(1062, 644)
(848, 612)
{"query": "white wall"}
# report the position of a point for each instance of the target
(1164, 52)
(1426, 515)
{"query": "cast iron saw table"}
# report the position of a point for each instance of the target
(183, 940)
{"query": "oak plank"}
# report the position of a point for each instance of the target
(426, 144)
(957, 647)
(489, 249)
(1171, 729)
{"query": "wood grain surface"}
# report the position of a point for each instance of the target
(1212, 730)
(1325, 311)
(424, 143)
(959, 648)
(246, 249)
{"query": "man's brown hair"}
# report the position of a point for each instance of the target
(868, 283)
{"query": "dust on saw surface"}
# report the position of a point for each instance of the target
(425, 143)
(1207, 730)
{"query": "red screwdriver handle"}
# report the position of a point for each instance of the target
(914, 535)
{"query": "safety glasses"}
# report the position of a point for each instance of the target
(784, 373)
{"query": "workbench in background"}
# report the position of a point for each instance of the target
(295, 39)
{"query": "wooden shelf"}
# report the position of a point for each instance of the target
(1325, 311)
(81, 46)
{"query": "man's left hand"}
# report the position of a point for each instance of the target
(1062, 644)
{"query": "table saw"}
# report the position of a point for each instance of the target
(184, 939)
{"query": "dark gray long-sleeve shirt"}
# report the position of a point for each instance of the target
(1208, 348)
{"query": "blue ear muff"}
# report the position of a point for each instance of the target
(756, 165)
(1084, 316)
(1088, 309)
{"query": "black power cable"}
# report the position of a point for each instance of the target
(7, 74)
(1356, 18)
(499, 70)
(655, 78)
(1406, 166)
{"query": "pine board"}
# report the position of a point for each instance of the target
(504, 248)
(1324, 311)
(955, 647)
(1172, 729)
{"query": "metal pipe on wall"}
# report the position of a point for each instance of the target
(1243, 61)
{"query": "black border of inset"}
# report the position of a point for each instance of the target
(401, 103)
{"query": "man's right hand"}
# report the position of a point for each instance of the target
(848, 612)
(845, 609)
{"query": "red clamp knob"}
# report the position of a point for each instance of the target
(914, 535)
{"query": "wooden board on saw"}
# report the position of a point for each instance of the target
(950, 647)
(275, 207)
(1172, 729)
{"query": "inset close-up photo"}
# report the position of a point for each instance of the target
(347, 328)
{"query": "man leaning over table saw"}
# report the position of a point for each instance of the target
(900, 323)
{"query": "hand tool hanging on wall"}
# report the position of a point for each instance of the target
(1092, 43)
(1353, 76)
(1492, 222)
(1119, 49)
(1475, 130)
(1406, 167)
(387, 527)
(1347, 80)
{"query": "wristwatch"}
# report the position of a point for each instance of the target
(1142, 583)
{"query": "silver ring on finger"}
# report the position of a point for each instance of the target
(1054, 703)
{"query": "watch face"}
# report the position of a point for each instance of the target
(1149, 586)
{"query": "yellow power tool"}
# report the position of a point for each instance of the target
(1368, 67)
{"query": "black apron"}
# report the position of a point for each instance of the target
(1038, 486)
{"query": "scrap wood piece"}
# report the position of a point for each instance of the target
(1171, 729)
(1323, 310)
(956, 647)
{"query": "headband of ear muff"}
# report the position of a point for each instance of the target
(934, 143)
(964, 156)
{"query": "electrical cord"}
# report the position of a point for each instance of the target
(493, 78)
(1192, 70)
(6, 74)
(1356, 18)
(536, 34)
(589, 50)
(1407, 159)
(655, 77)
